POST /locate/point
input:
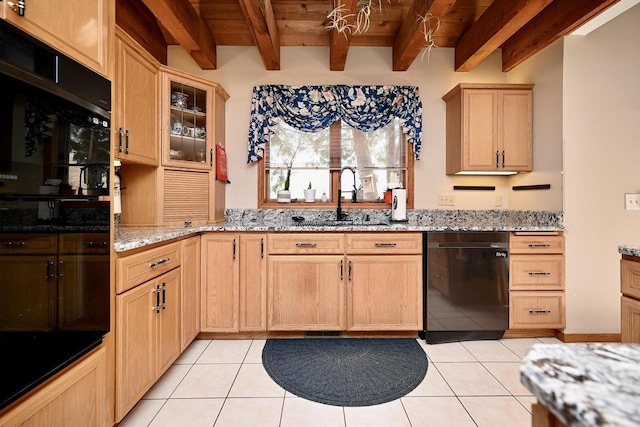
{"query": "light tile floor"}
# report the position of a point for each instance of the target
(223, 383)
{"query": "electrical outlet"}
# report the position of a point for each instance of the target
(498, 202)
(632, 201)
(446, 200)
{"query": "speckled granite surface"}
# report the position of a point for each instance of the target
(586, 384)
(629, 250)
(371, 220)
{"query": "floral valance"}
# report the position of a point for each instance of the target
(311, 108)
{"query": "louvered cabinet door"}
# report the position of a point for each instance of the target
(186, 197)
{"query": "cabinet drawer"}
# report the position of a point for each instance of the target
(536, 310)
(305, 243)
(630, 278)
(135, 269)
(384, 243)
(536, 272)
(84, 243)
(13, 244)
(545, 244)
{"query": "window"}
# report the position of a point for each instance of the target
(382, 160)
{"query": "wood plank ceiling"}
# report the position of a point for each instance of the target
(475, 28)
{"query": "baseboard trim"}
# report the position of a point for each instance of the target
(302, 334)
(574, 338)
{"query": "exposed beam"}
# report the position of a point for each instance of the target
(410, 39)
(137, 21)
(339, 42)
(263, 27)
(556, 20)
(500, 21)
(184, 24)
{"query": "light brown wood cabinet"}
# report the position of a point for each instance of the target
(76, 398)
(190, 281)
(384, 281)
(87, 38)
(137, 103)
(233, 282)
(338, 282)
(536, 281)
(148, 329)
(630, 300)
(489, 128)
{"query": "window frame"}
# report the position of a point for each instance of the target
(407, 180)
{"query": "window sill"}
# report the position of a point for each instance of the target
(328, 205)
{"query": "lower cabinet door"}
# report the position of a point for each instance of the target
(306, 293)
(384, 293)
(168, 321)
(630, 320)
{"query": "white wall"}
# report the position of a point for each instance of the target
(241, 68)
(545, 70)
(601, 118)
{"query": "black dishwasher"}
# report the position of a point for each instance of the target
(466, 286)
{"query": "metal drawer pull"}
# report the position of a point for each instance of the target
(157, 263)
(533, 311)
(539, 245)
(306, 245)
(385, 244)
(14, 244)
(539, 273)
(95, 244)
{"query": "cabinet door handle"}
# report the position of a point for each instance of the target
(234, 248)
(18, 8)
(14, 245)
(50, 274)
(385, 244)
(341, 270)
(539, 311)
(539, 245)
(120, 140)
(350, 268)
(59, 275)
(157, 307)
(95, 244)
(164, 295)
(126, 142)
(306, 245)
(503, 158)
(211, 157)
(497, 159)
(159, 262)
(262, 248)
(539, 273)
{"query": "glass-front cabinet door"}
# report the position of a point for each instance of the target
(187, 120)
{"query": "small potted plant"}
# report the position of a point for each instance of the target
(310, 194)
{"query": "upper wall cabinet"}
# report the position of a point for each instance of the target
(136, 92)
(81, 29)
(489, 128)
(191, 111)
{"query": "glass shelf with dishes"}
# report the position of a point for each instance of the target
(188, 118)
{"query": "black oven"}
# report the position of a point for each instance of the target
(54, 224)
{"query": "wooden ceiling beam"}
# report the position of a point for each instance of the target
(500, 21)
(410, 39)
(184, 24)
(339, 42)
(556, 20)
(263, 27)
(137, 21)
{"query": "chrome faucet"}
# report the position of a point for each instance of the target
(354, 198)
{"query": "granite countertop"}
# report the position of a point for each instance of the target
(584, 385)
(368, 220)
(629, 250)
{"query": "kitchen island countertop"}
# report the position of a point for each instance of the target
(365, 220)
(596, 384)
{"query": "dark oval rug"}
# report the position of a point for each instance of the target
(346, 371)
